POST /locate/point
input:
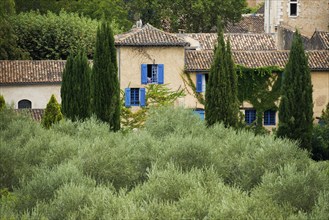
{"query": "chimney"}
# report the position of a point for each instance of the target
(139, 23)
(181, 31)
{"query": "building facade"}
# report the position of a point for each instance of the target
(147, 55)
(307, 16)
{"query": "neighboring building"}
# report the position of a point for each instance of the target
(305, 15)
(250, 23)
(30, 84)
(199, 62)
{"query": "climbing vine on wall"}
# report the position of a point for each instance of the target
(259, 86)
(189, 82)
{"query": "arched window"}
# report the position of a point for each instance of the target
(24, 103)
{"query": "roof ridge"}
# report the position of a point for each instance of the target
(149, 26)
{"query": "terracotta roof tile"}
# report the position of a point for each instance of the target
(198, 60)
(36, 114)
(31, 71)
(201, 60)
(324, 37)
(148, 36)
(250, 23)
(238, 41)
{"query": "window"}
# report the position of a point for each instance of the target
(293, 8)
(200, 112)
(269, 117)
(134, 97)
(250, 116)
(152, 73)
(24, 104)
(201, 81)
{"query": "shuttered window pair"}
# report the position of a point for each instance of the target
(152, 73)
(135, 97)
(269, 116)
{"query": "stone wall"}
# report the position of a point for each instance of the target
(311, 15)
(285, 36)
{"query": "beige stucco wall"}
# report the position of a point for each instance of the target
(131, 58)
(39, 95)
(320, 81)
(312, 15)
(190, 100)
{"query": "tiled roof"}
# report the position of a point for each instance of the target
(238, 41)
(198, 60)
(250, 23)
(36, 114)
(31, 71)
(148, 36)
(201, 60)
(324, 38)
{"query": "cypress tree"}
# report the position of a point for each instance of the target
(233, 108)
(52, 113)
(75, 90)
(82, 87)
(296, 105)
(2, 102)
(66, 87)
(106, 89)
(221, 91)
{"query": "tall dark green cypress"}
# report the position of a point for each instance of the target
(106, 89)
(67, 87)
(296, 105)
(233, 108)
(75, 90)
(82, 72)
(221, 91)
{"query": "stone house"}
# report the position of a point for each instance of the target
(148, 55)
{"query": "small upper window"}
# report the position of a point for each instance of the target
(293, 8)
(24, 104)
(152, 73)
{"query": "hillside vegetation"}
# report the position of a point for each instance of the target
(174, 168)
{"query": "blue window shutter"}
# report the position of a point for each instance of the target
(160, 73)
(144, 73)
(127, 97)
(199, 82)
(142, 97)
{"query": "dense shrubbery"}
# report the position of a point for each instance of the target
(174, 168)
(54, 36)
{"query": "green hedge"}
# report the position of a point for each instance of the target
(174, 168)
(53, 36)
